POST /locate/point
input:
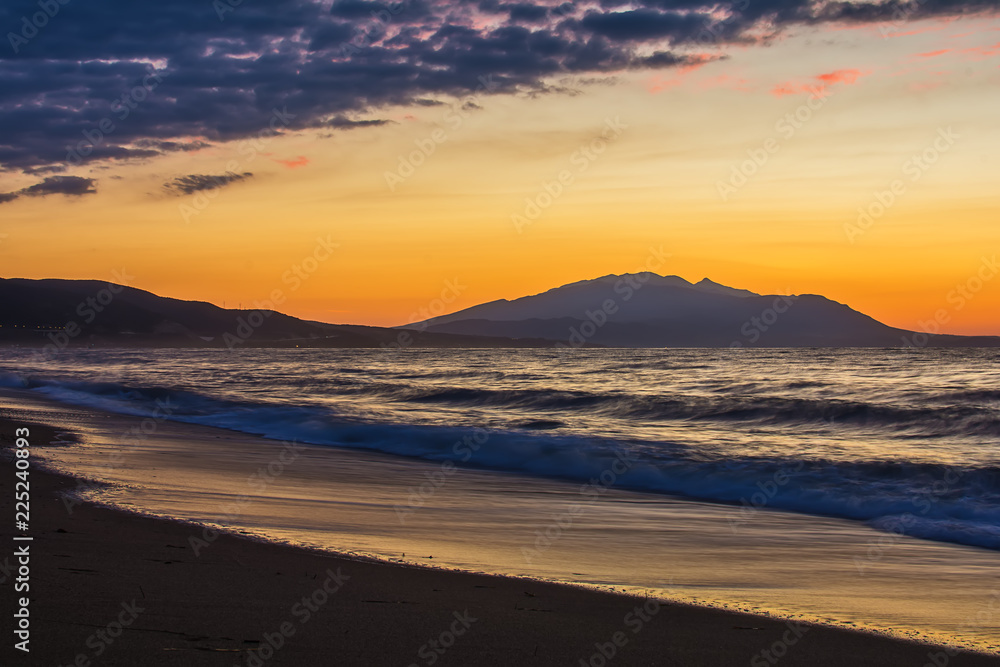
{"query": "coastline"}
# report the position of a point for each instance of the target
(239, 597)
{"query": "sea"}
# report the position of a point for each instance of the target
(855, 487)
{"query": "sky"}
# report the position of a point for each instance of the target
(376, 163)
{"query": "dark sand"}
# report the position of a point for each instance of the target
(218, 608)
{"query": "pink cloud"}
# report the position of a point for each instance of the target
(975, 53)
(844, 76)
(982, 52)
(659, 84)
(783, 89)
(300, 161)
(937, 26)
(919, 31)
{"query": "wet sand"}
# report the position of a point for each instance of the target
(115, 588)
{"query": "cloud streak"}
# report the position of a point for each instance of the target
(186, 185)
(294, 163)
(819, 83)
(74, 186)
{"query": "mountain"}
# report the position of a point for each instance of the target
(63, 313)
(649, 310)
(631, 310)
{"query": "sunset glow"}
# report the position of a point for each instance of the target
(767, 165)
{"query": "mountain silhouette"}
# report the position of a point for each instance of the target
(56, 314)
(649, 310)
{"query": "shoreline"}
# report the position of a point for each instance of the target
(241, 595)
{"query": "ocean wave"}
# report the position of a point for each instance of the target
(966, 395)
(947, 503)
(13, 381)
(971, 533)
(933, 420)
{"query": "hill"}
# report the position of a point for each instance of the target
(648, 310)
(63, 313)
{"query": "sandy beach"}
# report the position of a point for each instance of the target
(116, 588)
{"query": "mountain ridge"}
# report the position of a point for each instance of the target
(627, 310)
(649, 310)
(57, 313)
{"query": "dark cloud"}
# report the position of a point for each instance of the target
(185, 185)
(61, 185)
(342, 123)
(644, 24)
(527, 13)
(171, 146)
(54, 185)
(377, 11)
(663, 59)
(39, 171)
(354, 9)
(121, 80)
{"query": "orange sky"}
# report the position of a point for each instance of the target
(752, 170)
